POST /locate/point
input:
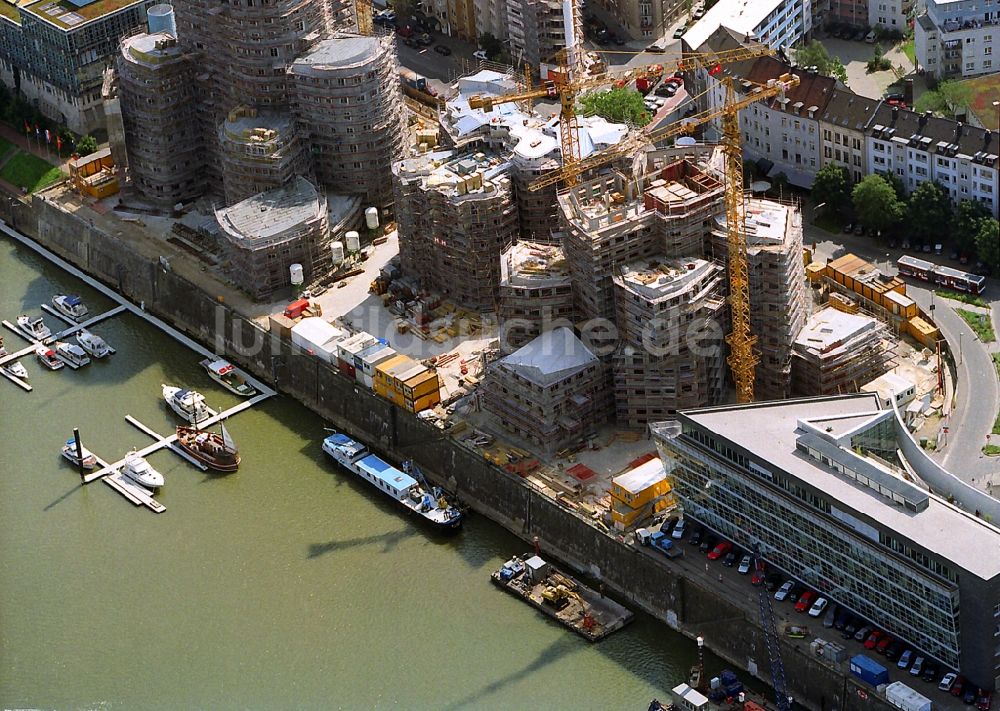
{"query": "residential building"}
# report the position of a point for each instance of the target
(842, 131)
(645, 20)
(890, 14)
(820, 485)
(920, 147)
(955, 38)
(851, 12)
(775, 23)
(551, 392)
(54, 53)
(538, 29)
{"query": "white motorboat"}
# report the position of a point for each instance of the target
(71, 354)
(138, 470)
(223, 372)
(69, 451)
(189, 404)
(96, 346)
(48, 357)
(12, 368)
(70, 306)
(34, 329)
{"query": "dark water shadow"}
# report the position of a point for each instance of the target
(59, 500)
(388, 540)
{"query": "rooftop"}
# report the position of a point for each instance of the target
(849, 110)
(661, 278)
(768, 223)
(70, 14)
(259, 127)
(642, 477)
(769, 431)
(272, 215)
(530, 263)
(740, 16)
(456, 174)
(830, 328)
(812, 93)
(936, 135)
(337, 52)
(550, 357)
(151, 49)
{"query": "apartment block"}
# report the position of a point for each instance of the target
(918, 147)
(54, 53)
(775, 23)
(538, 29)
(954, 38)
(671, 321)
(456, 215)
(890, 14)
(838, 352)
(851, 12)
(778, 300)
(536, 293)
(820, 485)
(842, 128)
(551, 392)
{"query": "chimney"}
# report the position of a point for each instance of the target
(895, 114)
(958, 131)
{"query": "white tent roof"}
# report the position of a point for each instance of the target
(550, 357)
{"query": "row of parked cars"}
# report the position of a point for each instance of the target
(835, 617)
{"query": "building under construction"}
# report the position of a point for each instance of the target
(260, 151)
(536, 294)
(456, 216)
(270, 231)
(838, 352)
(670, 315)
(778, 299)
(551, 392)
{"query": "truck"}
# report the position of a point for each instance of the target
(903, 697)
(869, 670)
(661, 542)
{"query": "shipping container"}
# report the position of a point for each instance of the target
(295, 309)
(903, 697)
(869, 670)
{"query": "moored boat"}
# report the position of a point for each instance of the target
(188, 404)
(69, 451)
(216, 451)
(428, 502)
(70, 306)
(34, 328)
(72, 354)
(96, 346)
(138, 470)
(48, 357)
(13, 368)
(224, 373)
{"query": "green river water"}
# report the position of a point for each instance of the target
(287, 585)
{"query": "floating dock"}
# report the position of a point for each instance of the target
(169, 445)
(561, 597)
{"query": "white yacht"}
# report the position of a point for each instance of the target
(71, 354)
(138, 470)
(69, 451)
(48, 357)
(96, 346)
(189, 404)
(70, 306)
(13, 368)
(34, 329)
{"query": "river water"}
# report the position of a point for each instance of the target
(287, 585)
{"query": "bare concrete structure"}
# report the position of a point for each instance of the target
(838, 352)
(272, 230)
(669, 314)
(456, 216)
(158, 111)
(551, 392)
(778, 299)
(347, 99)
(535, 293)
(260, 151)
(537, 29)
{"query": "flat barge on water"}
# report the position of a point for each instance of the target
(561, 597)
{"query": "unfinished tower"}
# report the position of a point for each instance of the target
(158, 107)
(536, 294)
(347, 99)
(672, 352)
(838, 352)
(456, 216)
(778, 304)
(260, 151)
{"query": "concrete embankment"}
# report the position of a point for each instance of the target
(686, 603)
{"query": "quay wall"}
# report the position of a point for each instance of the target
(636, 575)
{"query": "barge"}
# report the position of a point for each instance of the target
(561, 597)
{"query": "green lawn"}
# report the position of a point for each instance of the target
(5, 145)
(908, 49)
(991, 450)
(30, 172)
(964, 298)
(984, 330)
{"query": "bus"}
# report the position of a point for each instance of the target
(942, 276)
(416, 87)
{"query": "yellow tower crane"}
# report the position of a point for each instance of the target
(742, 356)
(563, 85)
(363, 13)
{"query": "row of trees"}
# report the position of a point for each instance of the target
(17, 112)
(925, 217)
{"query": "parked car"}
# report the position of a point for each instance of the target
(696, 535)
(745, 565)
(773, 582)
(893, 651)
(850, 629)
(730, 560)
(805, 601)
(759, 573)
(970, 694)
(410, 42)
(425, 40)
(904, 659)
(843, 617)
(883, 644)
(818, 607)
(957, 687)
(480, 54)
(404, 31)
(848, 228)
(655, 49)
(831, 616)
(895, 96)
(985, 700)
(666, 90)
(863, 633)
(918, 667)
(947, 681)
(441, 49)
(938, 248)
(679, 32)
(906, 243)
(708, 543)
(617, 41)
(698, 14)
(930, 672)
(873, 639)
(926, 248)
(782, 592)
(859, 229)
(679, 529)
(720, 550)
(796, 593)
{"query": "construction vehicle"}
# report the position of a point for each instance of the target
(558, 596)
(742, 356)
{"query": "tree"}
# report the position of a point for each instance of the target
(944, 99)
(876, 204)
(814, 54)
(832, 186)
(86, 145)
(988, 242)
(618, 105)
(966, 224)
(878, 61)
(929, 212)
(490, 44)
